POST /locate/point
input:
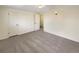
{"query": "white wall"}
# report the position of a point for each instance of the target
(65, 24)
(37, 22)
(20, 22)
(3, 23)
(15, 22)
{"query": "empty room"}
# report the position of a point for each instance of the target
(39, 28)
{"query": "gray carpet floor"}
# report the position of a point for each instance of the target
(38, 42)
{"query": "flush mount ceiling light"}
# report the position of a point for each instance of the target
(41, 6)
(56, 12)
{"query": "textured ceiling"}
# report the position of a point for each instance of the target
(32, 8)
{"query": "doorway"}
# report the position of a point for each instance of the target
(41, 22)
(13, 25)
(20, 23)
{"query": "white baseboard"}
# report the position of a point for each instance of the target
(64, 36)
(4, 37)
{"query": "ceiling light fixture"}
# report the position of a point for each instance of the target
(41, 6)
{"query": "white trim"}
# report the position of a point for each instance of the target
(4, 37)
(61, 35)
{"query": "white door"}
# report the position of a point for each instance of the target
(26, 23)
(13, 24)
(20, 23)
(37, 22)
